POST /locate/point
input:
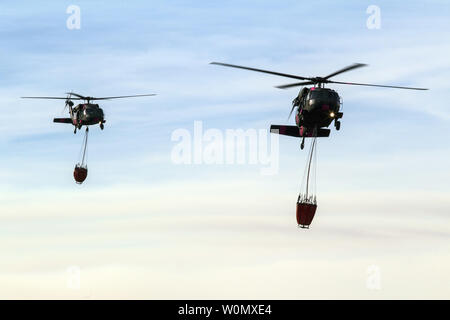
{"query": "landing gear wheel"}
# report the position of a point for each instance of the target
(75, 131)
(102, 126)
(302, 145)
(337, 124)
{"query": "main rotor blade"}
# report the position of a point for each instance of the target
(59, 98)
(261, 70)
(120, 97)
(285, 86)
(375, 85)
(351, 67)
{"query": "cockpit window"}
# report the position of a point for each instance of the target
(323, 95)
(315, 94)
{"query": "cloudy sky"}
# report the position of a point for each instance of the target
(142, 226)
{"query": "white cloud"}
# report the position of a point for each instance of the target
(142, 228)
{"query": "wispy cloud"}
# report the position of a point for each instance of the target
(167, 231)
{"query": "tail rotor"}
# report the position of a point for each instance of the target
(69, 103)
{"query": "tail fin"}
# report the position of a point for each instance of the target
(292, 131)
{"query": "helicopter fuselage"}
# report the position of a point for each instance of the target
(87, 114)
(317, 108)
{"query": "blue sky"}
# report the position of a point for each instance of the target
(157, 229)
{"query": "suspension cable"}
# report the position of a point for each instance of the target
(85, 145)
(308, 186)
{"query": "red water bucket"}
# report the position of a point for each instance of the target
(80, 174)
(305, 214)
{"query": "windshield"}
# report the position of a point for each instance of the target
(324, 95)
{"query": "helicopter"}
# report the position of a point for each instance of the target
(317, 106)
(84, 114)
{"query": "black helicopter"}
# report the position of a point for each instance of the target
(317, 106)
(87, 113)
